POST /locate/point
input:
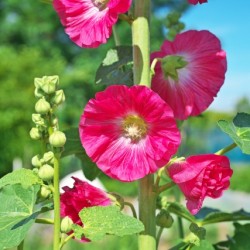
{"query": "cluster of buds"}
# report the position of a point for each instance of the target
(173, 25)
(46, 128)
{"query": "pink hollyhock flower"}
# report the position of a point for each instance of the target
(197, 1)
(89, 22)
(200, 176)
(82, 195)
(191, 72)
(129, 132)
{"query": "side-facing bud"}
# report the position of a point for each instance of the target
(38, 120)
(48, 157)
(164, 219)
(66, 224)
(46, 172)
(35, 134)
(57, 139)
(42, 106)
(44, 192)
(36, 162)
(49, 84)
(58, 98)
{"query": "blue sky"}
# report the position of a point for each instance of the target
(229, 20)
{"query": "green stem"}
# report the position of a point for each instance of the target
(159, 235)
(116, 37)
(180, 227)
(141, 43)
(57, 219)
(44, 221)
(147, 207)
(131, 207)
(126, 18)
(20, 246)
(226, 149)
(165, 187)
(66, 240)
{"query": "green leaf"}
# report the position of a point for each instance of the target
(117, 67)
(16, 213)
(25, 177)
(218, 216)
(240, 240)
(179, 210)
(204, 245)
(73, 146)
(238, 130)
(99, 221)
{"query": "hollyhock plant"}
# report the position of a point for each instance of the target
(82, 195)
(200, 176)
(197, 1)
(129, 132)
(89, 22)
(190, 73)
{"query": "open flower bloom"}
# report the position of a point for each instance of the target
(82, 195)
(191, 72)
(89, 22)
(200, 176)
(197, 1)
(128, 132)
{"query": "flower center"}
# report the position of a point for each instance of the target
(100, 4)
(134, 127)
(171, 64)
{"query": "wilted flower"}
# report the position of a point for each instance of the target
(191, 72)
(128, 132)
(200, 176)
(89, 22)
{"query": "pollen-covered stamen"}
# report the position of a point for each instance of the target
(100, 4)
(134, 127)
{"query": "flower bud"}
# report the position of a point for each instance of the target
(49, 157)
(38, 120)
(36, 162)
(49, 84)
(164, 219)
(38, 93)
(54, 120)
(35, 134)
(66, 224)
(57, 139)
(42, 106)
(46, 172)
(44, 192)
(58, 98)
(38, 82)
(35, 170)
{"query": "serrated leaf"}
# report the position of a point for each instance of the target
(218, 216)
(99, 221)
(25, 177)
(16, 213)
(238, 130)
(116, 68)
(181, 211)
(73, 146)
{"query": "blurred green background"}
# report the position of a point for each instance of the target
(33, 44)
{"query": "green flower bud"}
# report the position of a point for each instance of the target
(49, 84)
(174, 17)
(46, 172)
(38, 82)
(164, 219)
(35, 170)
(44, 192)
(35, 134)
(57, 139)
(42, 106)
(66, 224)
(38, 93)
(38, 120)
(58, 98)
(49, 157)
(36, 162)
(54, 120)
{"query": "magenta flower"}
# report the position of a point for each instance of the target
(82, 195)
(191, 72)
(197, 1)
(200, 176)
(128, 132)
(89, 22)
